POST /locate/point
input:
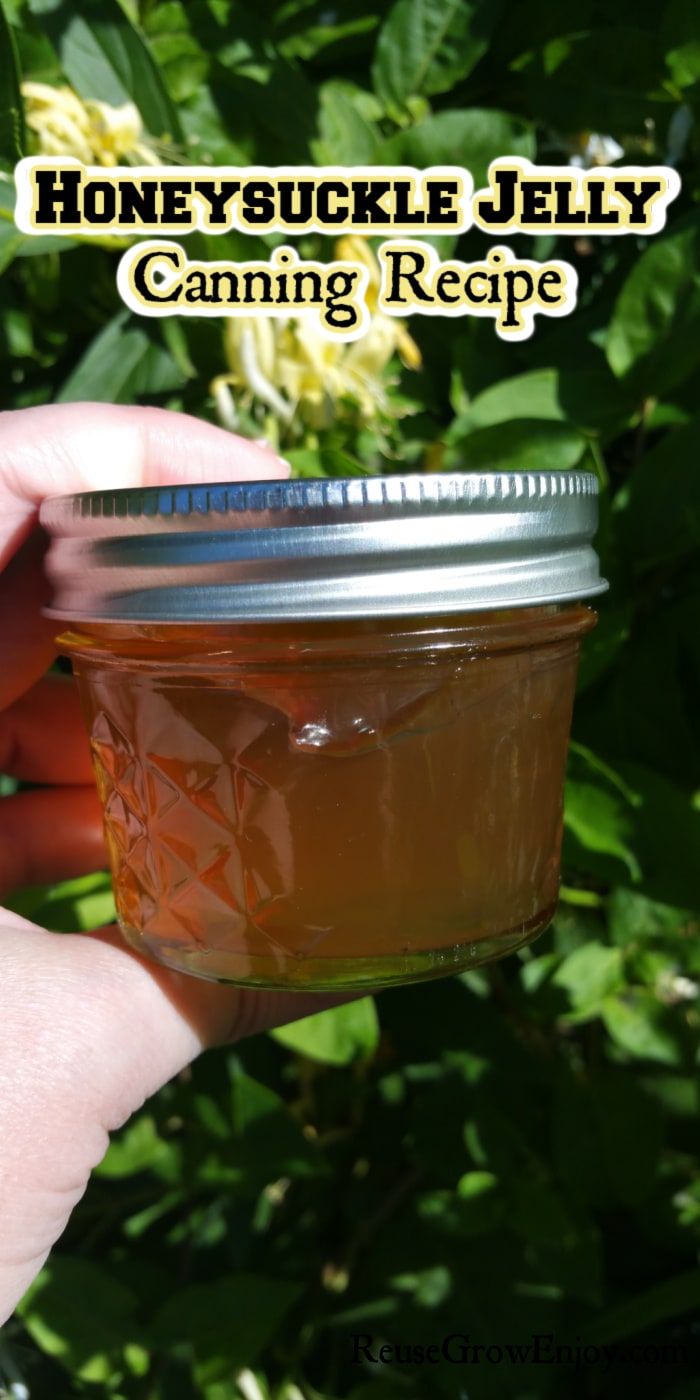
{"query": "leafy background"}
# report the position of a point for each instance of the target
(513, 1150)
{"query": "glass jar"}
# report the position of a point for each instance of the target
(330, 752)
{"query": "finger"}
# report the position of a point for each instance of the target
(28, 638)
(49, 834)
(211, 1014)
(78, 447)
(42, 736)
(61, 448)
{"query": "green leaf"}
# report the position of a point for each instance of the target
(122, 364)
(183, 63)
(174, 334)
(661, 518)
(521, 445)
(602, 647)
(210, 139)
(680, 41)
(671, 1298)
(139, 1148)
(307, 28)
(12, 132)
(608, 80)
(345, 136)
(69, 905)
(644, 1028)
(104, 56)
(426, 46)
(668, 837)
(530, 395)
(267, 109)
(78, 1313)
(226, 1322)
(266, 1141)
(335, 1037)
(589, 974)
(429, 1287)
(654, 721)
(474, 1209)
(237, 35)
(14, 244)
(600, 808)
(602, 822)
(471, 138)
(11, 242)
(653, 340)
(633, 917)
(473, 1185)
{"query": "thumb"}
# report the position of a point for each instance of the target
(61, 448)
(88, 1031)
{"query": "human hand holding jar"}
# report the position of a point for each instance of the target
(328, 722)
(88, 1030)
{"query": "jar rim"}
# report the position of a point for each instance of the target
(412, 545)
(210, 648)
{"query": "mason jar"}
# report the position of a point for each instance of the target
(329, 718)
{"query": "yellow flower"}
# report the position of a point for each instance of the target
(95, 132)
(355, 249)
(351, 248)
(291, 369)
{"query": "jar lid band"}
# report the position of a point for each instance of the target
(313, 549)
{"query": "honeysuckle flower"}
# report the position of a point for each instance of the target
(592, 149)
(63, 124)
(672, 987)
(292, 371)
(355, 249)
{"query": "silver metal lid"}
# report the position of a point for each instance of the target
(359, 547)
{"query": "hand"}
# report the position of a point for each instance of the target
(88, 1030)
